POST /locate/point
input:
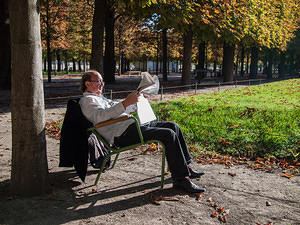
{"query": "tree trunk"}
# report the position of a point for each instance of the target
(84, 62)
(123, 63)
(187, 56)
(5, 70)
(247, 64)
(109, 58)
(281, 65)
(58, 60)
(98, 35)
(201, 60)
(242, 60)
(74, 64)
(79, 65)
(29, 174)
(45, 64)
(227, 64)
(269, 63)
(66, 61)
(48, 40)
(254, 62)
(157, 53)
(165, 54)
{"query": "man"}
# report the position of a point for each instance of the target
(97, 108)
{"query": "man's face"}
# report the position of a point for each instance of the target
(95, 85)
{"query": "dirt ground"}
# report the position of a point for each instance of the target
(125, 195)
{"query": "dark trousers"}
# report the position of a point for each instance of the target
(169, 133)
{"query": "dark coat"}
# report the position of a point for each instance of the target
(74, 139)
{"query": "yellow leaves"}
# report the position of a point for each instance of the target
(216, 11)
(153, 147)
(53, 128)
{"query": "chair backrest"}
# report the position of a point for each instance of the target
(74, 139)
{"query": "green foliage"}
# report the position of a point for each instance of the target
(260, 120)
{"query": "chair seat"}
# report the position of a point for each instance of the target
(114, 150)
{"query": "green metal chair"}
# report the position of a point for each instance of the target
(114, 150)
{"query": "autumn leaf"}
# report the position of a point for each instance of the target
(132, 159)
(287, 175)
(214, 214)
(199, 196)
(170, 199)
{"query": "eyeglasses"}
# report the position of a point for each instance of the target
(101, 82)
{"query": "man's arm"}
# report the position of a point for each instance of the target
(132, 98)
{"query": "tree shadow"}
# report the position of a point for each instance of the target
(65, 205)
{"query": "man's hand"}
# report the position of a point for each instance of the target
(132, 98)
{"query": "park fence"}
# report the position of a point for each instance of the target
(192, 89)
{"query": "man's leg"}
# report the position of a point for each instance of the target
(174, 126)
(175, 157)
(174, 154)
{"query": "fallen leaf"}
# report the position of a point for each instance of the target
(132, 159)
(287, 175)
(232, 174)
(222, 218)
(215, 214)
(199, 196)
(170, 199)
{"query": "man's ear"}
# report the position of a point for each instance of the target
(87, 83)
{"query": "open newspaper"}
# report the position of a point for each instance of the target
(147, 81)
(149, 85)
(144, 109)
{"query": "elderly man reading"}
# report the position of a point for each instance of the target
(96, 108)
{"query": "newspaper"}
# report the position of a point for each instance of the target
(143, 107)
(144, 111)
(147, 81)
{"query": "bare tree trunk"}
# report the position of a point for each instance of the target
(109, 56)
(5, 70)
(58, 60)
(157, 53)
(48, 40)
(254, 62)
(242, 61)
(29, 174)
(269, 53)
(98, 35)
(165, 54)
(281, 65)
(228, 60)
(187, 56)
(201, 60)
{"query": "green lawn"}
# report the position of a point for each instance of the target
(260, 120)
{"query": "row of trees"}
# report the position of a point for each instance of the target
(92, 28)
(104, 31)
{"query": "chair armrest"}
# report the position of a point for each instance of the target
(112, 121)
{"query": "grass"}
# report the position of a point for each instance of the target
(258, 121)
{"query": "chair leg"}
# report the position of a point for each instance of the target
(115, 160)
(101, 170)
(163, 161)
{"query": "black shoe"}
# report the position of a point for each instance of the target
(187, 185)
(195, 174)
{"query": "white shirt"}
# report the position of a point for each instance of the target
(99, 109)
